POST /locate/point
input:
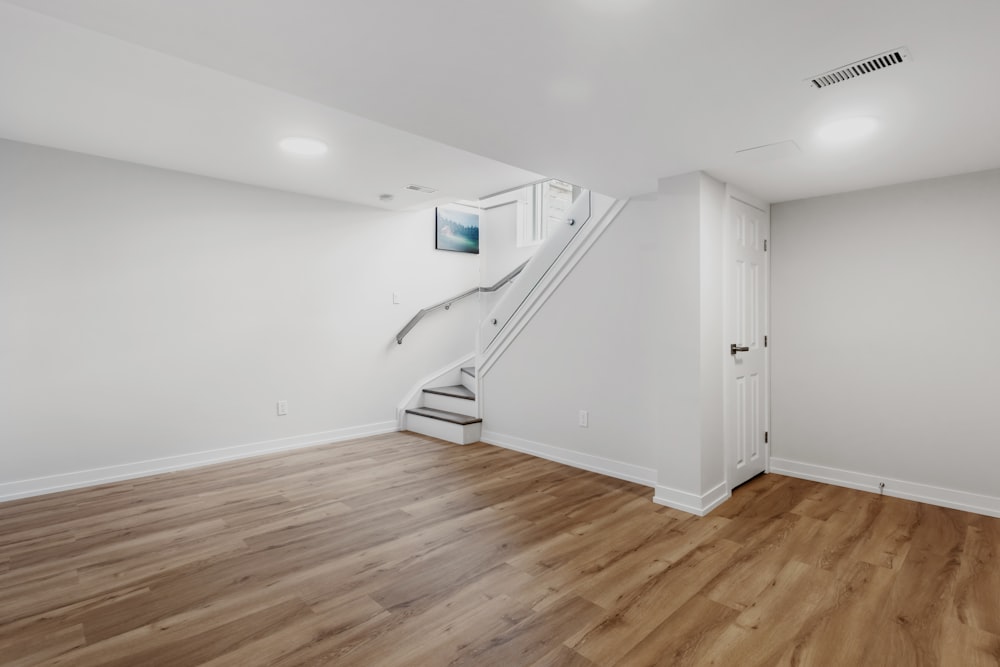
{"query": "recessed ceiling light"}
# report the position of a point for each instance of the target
(302, 146)
(847, 130)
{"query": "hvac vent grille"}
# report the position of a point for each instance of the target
(420, 188)
(860, 68)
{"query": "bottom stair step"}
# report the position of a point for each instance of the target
(450, 426)
(444, 416)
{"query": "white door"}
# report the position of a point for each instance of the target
(746, 382)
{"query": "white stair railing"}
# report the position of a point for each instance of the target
(559, 237)
(592, 214)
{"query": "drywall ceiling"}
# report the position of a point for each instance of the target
(72, 88)
(611, 94)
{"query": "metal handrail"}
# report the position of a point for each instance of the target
(446, 304)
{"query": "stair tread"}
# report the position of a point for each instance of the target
(471, 370)
(455, 391)
(444, 415)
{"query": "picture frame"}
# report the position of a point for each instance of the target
(456, 228)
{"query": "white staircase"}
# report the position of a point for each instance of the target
(445, 405)
(449, 412)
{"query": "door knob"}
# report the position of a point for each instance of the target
(734, 348)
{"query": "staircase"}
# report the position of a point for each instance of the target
(445, 404)
(449, 413)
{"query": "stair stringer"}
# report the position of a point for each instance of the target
(607, 211)
(446, 375)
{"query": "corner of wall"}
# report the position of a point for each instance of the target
(699, 504)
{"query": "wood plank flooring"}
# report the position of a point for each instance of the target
(404, 550)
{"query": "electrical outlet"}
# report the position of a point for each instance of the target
(396, 298)
(584, 418)
(282, 408)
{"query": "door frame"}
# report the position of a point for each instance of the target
(727, 316)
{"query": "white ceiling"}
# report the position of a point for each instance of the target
(609, 94)
(71, 88)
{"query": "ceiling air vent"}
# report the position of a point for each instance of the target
(420, 188)
(860, 68)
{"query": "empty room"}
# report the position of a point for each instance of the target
(549, 333)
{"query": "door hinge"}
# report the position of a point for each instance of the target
(765, 245)
(765, 341)
(765, 437)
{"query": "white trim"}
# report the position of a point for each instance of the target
(93, 477)
(924, 493)
(576, 249)
(598, 464)
(412, 398)
(748, 199)
(509, 190)
(691, 502)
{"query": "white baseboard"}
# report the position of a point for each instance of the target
(925, 493)
(115, 473)
(692, 502)
(598, 464)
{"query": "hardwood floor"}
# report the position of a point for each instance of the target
(403, 550)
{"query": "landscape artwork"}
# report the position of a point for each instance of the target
(457, 228)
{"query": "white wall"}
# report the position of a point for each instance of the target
(149, 314)
(499, 252)
(691, 465)
(885, 330)
(678, 339)
(498, 242)
(629, 337)
(713, 346)
(584, 350)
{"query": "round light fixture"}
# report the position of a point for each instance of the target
(302, 146)
(847, 130)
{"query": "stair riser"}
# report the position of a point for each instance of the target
(460, 405)
(469, 382)
(460, 435)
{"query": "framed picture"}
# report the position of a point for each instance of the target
(456, 228)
